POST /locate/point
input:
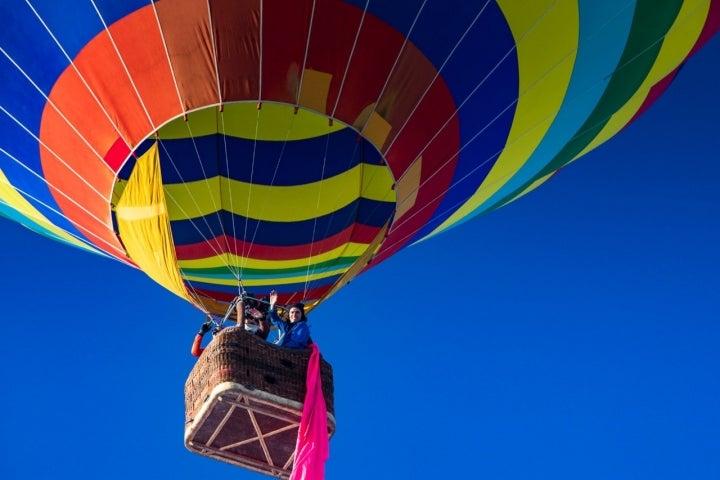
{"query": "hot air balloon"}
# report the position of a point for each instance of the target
(293, 145)
(219, 145)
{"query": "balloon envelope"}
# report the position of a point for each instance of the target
(291, 145)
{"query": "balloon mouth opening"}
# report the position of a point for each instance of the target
(274, 195)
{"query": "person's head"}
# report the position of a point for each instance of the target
(296, 313)
(251, 324)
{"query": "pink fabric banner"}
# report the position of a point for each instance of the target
(311, 450)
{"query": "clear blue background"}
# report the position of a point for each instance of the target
(573, 334)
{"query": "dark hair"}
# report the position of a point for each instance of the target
(300, 306)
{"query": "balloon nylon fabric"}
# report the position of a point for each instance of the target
(369, 117)
(144, 225)
(311, 450)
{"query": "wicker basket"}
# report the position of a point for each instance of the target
(243, 402)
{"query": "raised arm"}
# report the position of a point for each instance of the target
(273, 299)
(240, 312)
(274, 317)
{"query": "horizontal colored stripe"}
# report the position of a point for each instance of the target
(225, 272)
(280, 204)
(273, 122)
(362, 211)
(349, 240)
(266, 163)
(271, 277)
(240, 261)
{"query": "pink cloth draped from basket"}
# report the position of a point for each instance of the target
(312, 449)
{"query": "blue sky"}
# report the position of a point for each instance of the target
(572, 334)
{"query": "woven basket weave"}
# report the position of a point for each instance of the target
(237, 356)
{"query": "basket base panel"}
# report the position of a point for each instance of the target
(240, 428)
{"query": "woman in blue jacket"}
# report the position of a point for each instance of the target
(295, 332)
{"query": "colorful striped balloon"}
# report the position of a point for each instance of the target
(292, 144)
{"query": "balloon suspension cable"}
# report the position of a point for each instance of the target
(241, 289)
(230, 309)
(241, 296)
